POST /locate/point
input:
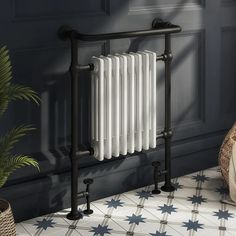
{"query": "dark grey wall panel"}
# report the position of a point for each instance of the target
(203, 86)
(228, 3)
(228, 81)
(189, 60)
(29, 10)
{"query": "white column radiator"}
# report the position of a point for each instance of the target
(123, 104)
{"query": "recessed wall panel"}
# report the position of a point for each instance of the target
(188, 78)
(228, 75)
(151, 5)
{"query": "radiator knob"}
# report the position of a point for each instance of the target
(88, 181)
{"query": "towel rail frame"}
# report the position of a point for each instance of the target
(159, 27)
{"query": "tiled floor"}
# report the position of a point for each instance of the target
(193, 209)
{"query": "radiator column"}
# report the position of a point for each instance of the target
(168, 187)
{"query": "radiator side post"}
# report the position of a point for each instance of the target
(74, 214)
(168, 187)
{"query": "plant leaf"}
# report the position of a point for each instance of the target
(13, 163)
(5, 68)
(5, 78)
(4, 101)
(23, 93)
(7, 142)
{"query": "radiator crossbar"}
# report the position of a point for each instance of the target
(90, 67)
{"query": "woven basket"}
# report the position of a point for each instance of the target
(226, 152)
(7, 224)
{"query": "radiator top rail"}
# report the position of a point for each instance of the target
(159, 27)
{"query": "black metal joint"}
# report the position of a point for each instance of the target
(73, 70)
(167, 134)
(167, 57)
(158, 23)
(91, 66)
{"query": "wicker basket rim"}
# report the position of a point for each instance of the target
(5, 207)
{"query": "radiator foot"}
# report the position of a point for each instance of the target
(74, 216)
(168, 187)
(88, 212)
(156, 191)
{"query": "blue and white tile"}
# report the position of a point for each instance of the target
(47, 226)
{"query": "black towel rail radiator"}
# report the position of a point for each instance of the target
(159, 27)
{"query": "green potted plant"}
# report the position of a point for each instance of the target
(10, 162)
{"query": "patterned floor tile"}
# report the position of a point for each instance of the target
(194, 209)
(49, 225)
(21, 230)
